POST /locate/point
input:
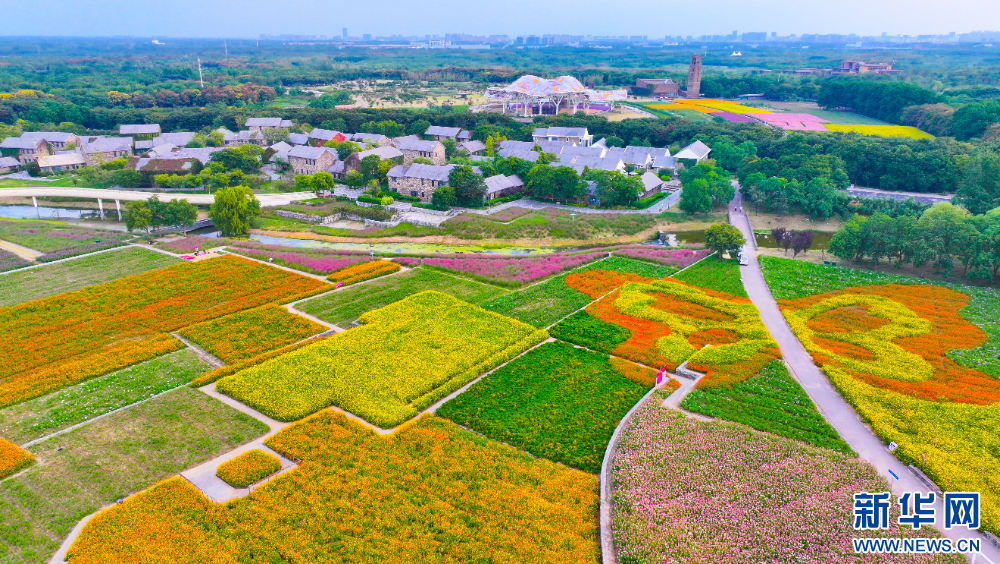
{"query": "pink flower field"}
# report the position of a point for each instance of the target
(316, 261)
(680, 258)
(710, 492)
(511, 270)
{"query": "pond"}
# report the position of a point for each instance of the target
(43, 212)
(401, 248)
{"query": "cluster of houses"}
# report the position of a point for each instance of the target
(421, 165)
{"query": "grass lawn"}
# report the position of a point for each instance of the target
(81, 471)
(45, 415)
(771, 401)
(52, 279)
(59, 240)
(344, 306)
(558, 402)
(717, 274)
(585, 330)
(402, 359)
(429, 493)
(541, 305)
(66, 182)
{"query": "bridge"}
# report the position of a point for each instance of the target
(118, 196)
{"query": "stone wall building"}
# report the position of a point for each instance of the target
(439, 133)
(61, 162)
(106, 149)
(24, 150)
(413, 148)
(310, 160)
(418, 180)
(9, 164)
(387, 153)
(500, 186)
(260, 124)
(56, 139)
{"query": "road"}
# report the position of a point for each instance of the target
(266, 200)
(837, 411)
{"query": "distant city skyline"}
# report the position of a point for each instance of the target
(652, 18)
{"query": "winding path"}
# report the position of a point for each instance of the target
(837, 411)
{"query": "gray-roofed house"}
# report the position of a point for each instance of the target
(25, 150)
(386, 153)
(517, 145)
(664, 163)
(310, 160)
(578, 135)
(161, 150)
(244, 137)
(554, 147)
(696, 151)
(61, 162)
(140, 130)
(57, 139)
(319, 136)
(106, 149)
(500, 186)
(520, 154)
(298, 138)
(9, 164)
(472, 147)
(260, 124)
(415, 148)
(280, 151)
(418, 180)
(581, 151)
(178, 139)
(373, 139)
(640, 157)
(651, 184)
(203, 154)
(440, 133)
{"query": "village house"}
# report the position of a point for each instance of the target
(319, 137)
(439, 133)
(106, 149)
(418, 180)
(500, 186)
(26, 150)
(696, 151)
(413, 148)
(61, 162)
(577, 135)
(353, 161)
(472, 147)
(640, 157)
(373, 139)
(260, 124)
(651, 184)
(244, 137)
(665, 163)
(144, 131)
(507, 145)
(310, 160)
(9, 164)
(56, 139)
(526, 155)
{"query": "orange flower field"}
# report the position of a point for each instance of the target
(58, 341)
(248, 468)
(249, 333)
(13, 458)
(430, 492)
(363, 271)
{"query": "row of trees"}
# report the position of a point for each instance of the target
(941, 237)
(153, 214)
(705, 187)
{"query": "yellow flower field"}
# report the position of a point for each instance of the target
(432, 492)
(248, 468)
(708, 106)
(882, 130)
(402, 359)
(13, 458)
(250, 333)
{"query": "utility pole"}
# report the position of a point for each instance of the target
(201, 77)
(226, 45)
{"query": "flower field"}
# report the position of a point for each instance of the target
(679, 258)
(540, 305)
(315, 261)
(67, 338)
(557, 401)
(588, 331)
(881, 130)
(705, 492)
(248, 468)
(913, 359)
(431, 492)
(193, 243)
(771, 401)
(10, 261)
(364, 271)
(511, 271)
(13, 458)
(252, 332)
(59, 240)
(400, 361)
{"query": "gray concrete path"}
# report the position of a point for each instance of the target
(266, 200)
(209, 358)
(837, 411)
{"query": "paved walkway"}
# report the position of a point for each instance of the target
(837, 411)
(266, 200)
(23, 252)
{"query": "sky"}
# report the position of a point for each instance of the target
(654, 18)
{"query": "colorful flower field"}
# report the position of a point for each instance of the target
(64, 339)
(251, 333)
(364, 271)
(193, 243)
(557, 401)
(680, 258)
(430, 492)
(248, 468)
(881, 130)
(13, 458)
(890, 349)
(58, 240)
(404, 357)
(315, 261)
(706, 492)
(511, 271)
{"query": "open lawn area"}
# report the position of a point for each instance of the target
(715, 273)
(59, 240)
(79, 472)
(432, 492)
(402, 359)
(69, 276)
(346, 305)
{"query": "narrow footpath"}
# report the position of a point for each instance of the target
(837, 411)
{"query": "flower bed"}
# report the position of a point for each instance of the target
(315, 261)
(706, 492)
(13, 458)
(405, 357)
(880, 130)
(250, 333)
(193, 243)
(511, 271)
(361, 272)
(230, 369)
(557, 401)
(59, 240)
(680, 258)
(771, 401)
(10, 261)
(64, 339)
(715, 273)
(442, 493)
(248, 468)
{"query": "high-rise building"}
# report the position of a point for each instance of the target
(345, 33)
(694, 77)
(367, 37)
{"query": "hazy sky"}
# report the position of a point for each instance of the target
(655, 18)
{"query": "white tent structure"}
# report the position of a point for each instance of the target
(531, 91)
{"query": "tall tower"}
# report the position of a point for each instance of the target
(694, 77)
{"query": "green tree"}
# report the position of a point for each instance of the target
(443, 198)
(418, 127)
(470, 189)
(724, 238)
(304, 183)
(323, 181)
(972, 119)
(696, 197)
(181, 213)
(449, 148)
(559, 183)
(246, 158)
(233, 210)
(979, 189)
(616, 189)
(945, 228)
(369, 169)
(138, 216)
